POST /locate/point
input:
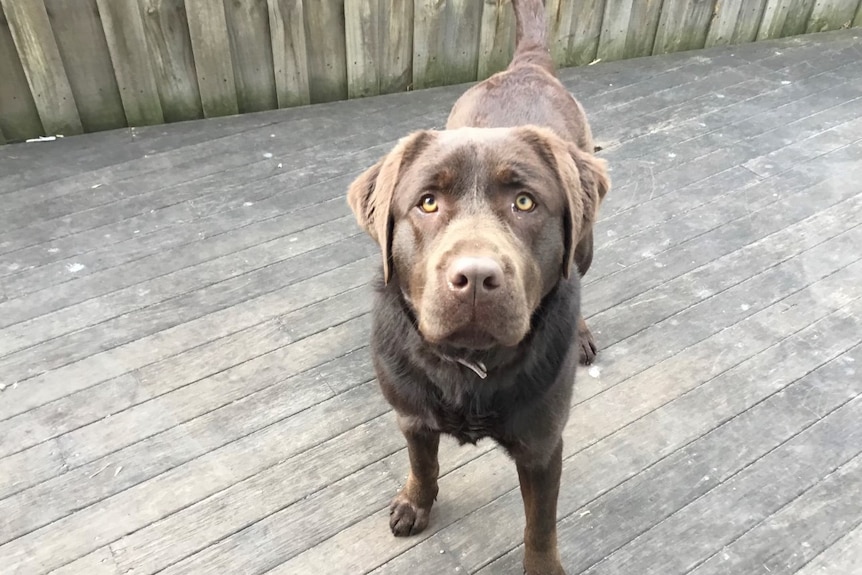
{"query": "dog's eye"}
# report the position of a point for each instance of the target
(428, 204)
(524, 203)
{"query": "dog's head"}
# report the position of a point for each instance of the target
(478, 225)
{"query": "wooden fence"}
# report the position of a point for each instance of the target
(72, 66)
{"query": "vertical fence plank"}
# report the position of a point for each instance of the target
(211, 50)
(643, 27)
(461, 40)
(575, 30)
(2, 137)
(683, 25)
(429, 19)
(327, 52)
(251, 47)
(362, 19)
(34, 41)
(289, 54)
(750, 16)
(588, 28)
(124, 30)
(19, 117)
(446, 41)
(723, 22)
(796, 19)
(396, 52)
(735, 22)
(379, 37)
(84, 51)
(497, 40)
(832, 15)
(615, 29)
(773, 19)
(167, 30)
(559, 17)
(857, 22)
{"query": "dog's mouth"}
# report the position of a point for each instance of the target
(468, 337)
(472, 338)
(471, 329)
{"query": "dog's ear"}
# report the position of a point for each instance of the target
(584, 178)
(371, 193)
(594, 184)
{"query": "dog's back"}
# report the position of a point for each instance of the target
(528, 91)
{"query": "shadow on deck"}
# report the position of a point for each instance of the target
(184, 315)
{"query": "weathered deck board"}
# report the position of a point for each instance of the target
(26, 277)
(819, 516)
(199, 397)
(192, 185)
(157, 143)
(805, 460)
(844, 556)
(697, 468)
(78, 192)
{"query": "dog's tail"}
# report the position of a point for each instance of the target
(531, 34)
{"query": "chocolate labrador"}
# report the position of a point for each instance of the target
(485, 229)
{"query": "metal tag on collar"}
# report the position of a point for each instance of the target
(478, 368)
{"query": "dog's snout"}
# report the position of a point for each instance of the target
(479, 275)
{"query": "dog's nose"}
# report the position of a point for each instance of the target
(479, 275)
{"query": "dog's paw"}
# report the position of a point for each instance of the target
(587, 348)
(587, 351)
(587, 345)
(407, 518)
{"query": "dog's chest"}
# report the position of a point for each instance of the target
(470, 428)
(469, 423)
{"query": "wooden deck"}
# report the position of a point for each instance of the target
(184, 316)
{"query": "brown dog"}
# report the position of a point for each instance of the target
(480, 228)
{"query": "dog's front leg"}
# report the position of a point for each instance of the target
(540, 486)
(409, 510)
